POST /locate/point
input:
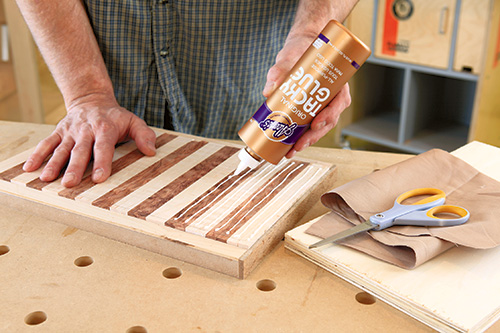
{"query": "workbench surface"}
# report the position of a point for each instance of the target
(55, 278)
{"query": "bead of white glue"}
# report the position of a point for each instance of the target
(246, 161)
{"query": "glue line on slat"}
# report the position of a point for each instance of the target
(261, 226)
(261, 222)
(206, 200)
(214, 215)
(116, 166)
(129, 186)
(181, 183)
(237, 218)
(266, 199)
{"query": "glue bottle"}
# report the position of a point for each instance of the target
(312, 83)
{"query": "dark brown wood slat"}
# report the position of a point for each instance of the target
(129, 186)
(181, 183)
(13, 172)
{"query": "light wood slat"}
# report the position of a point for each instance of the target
(146, 175)
(117, 165)
(114, 180)
(179, 204)
(156, 184)
(182, 182)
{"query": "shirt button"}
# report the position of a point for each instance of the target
(164, 53)
(163, 1)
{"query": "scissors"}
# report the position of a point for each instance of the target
(420, 213)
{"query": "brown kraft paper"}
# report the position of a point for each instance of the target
(411, 246)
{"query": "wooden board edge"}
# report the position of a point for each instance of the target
(163, 245)
(276, 233)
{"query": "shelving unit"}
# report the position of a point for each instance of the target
(411, 107)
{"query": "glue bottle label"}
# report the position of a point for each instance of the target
(312, 83)
(278, 126)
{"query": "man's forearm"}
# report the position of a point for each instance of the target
(65, 38)
(313, 15)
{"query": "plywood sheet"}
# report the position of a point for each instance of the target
(452, 292)
(185, 202)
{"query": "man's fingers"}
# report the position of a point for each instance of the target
(41, 152)
(79, 159)
(144, 137)
(103, 158)
(324, 122)
(57, 161)
(331, 113)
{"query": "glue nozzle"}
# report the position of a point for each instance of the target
(247, 160)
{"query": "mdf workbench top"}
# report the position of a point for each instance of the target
(55, 278)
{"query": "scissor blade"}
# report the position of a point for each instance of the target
(365, 226)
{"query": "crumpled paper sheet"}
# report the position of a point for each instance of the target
(411, 246)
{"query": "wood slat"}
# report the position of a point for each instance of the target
(181, 183)
(145, 176)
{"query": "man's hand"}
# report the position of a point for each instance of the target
(95, 122)
(311, 17)
(93, 126)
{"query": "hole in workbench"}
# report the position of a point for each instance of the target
(172, 273)
(84, 261)
(266, 285)
(137, 329)
(35, 318)
(365, 298)
(4, 249)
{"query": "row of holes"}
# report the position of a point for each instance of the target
(38, 317)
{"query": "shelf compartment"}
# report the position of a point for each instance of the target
(377, 95)
(377, 88)
(438, 108)
(449, 138)
(381, 129)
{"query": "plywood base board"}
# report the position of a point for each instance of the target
(377, 279)
(456, 291)
(184, 202)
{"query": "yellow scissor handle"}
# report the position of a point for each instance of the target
(420, 213)
(462, 212)
(435, 194)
